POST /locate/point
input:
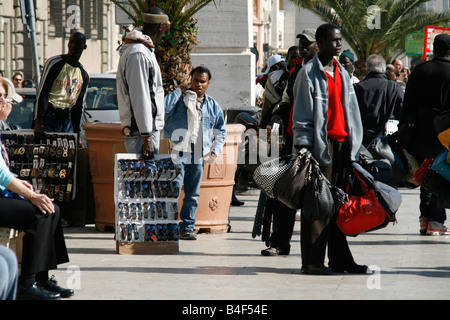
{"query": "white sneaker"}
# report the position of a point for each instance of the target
(436, 228)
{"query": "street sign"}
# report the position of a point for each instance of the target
(414, 43)
(430, 33)
(121, 17)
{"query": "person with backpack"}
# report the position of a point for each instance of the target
(417, 133)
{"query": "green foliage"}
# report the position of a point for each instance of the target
(173, 51)
(398, 18)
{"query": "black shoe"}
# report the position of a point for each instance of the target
(274, 252)
(36, 293)
(316, 270)
(51, 285)
(235, 202)
(352, 268)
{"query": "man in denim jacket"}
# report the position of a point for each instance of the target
(195, 124)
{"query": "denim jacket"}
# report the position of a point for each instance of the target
(213, 122)
(310, 114)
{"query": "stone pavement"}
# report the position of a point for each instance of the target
(229, 266)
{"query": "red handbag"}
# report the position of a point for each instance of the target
(361, 212)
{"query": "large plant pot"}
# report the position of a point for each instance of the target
(217, 186)
(106, 139)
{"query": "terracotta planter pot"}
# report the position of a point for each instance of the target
(105, 139)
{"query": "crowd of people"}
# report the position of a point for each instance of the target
(313, 94)
(326, 109)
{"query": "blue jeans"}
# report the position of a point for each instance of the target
(8, 274)
(191, 175)
(51, 125)
(134, 143)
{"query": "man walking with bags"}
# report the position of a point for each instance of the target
(326, 120)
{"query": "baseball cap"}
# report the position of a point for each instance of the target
(442, 41)
(273, 60)
(309, 34)
(12, 92)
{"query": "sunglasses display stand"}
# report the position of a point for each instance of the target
(49, 165)
(146, 196)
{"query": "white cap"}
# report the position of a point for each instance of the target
(273, 60)
(12, 92)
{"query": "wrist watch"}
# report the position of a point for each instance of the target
(126, 131)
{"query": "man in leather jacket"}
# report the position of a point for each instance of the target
(380, 99)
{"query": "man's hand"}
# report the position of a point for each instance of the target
(148, 149)
(210, 157)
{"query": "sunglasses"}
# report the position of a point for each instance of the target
(5, 99)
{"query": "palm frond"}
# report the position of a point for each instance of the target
(398, 18)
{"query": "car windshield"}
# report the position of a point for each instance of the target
(22, 113)
(101, 95)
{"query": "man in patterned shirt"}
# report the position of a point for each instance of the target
(62, 90)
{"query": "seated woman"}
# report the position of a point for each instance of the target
(43, 244)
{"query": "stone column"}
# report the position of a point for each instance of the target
(225, 33)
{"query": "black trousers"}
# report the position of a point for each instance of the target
(283, 216)
(283, 225)
(316, 235)
(44, 246)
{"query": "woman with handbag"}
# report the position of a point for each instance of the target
(327, 121)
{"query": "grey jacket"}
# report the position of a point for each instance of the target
(310, 112)
(140, 92)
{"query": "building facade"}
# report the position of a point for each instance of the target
(55, 20)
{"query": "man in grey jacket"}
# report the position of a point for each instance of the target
(140, 92)
(327, 121)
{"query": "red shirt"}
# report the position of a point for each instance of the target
(336, 127)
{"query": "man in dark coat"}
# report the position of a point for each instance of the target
(379, 99)
(422, 101)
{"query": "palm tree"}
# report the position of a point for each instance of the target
(365, 34)
(173, 51)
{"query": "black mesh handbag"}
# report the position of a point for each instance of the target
(269, 172)
(290, 187)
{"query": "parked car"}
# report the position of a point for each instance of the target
(21, 116)
(100, 103)
(101, 99)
